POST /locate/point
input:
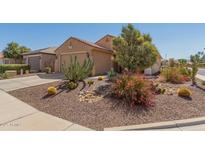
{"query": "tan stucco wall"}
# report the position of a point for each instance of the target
(106, 42)
(64, 49)
(154, 68)
(102, 61)
(48, 60)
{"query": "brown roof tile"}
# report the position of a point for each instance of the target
(49, 50)
(91, 44)
(1, 56)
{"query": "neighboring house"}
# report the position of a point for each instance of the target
(7, 60)
(100, 52)
(11, 61)
(39, 59)
(1, 58)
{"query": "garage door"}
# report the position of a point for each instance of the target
(34, 63)
(65, 59)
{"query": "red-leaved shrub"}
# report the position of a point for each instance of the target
(185, 78)
(172, 75)
(134, 90)
(176, 75)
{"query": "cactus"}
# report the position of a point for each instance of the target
(52, 90)
(184, 92)
(75, 71)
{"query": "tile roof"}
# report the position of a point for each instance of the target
(1, 55)
(49, 50)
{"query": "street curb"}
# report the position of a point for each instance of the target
(199, 77)
(160, 125)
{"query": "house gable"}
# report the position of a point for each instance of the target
(106, 42)
(73, 45)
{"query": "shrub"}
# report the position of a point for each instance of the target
(158, 89)
(111, 74)
(4, 76)
(100, 78)
(72, 85)
(185, 71)
(48, 70)
(17, 67)
(185, 78)
(203, 83)
(52, 90)
(184, 92)
(133, 89)
(75, 71)
(173, 75)
(90, 82)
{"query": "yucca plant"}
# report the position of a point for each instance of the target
(75, 71)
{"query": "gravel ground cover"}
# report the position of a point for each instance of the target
(107, 111)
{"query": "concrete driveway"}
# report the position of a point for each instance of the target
(23, 82)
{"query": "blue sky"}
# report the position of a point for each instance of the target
(173, 40)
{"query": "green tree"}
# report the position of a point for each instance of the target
(182, 62)
(133, 50)
(24, 49)
(14, 50)
(196, 60)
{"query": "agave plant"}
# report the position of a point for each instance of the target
(75, 71)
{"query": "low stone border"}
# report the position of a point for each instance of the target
(160, 125)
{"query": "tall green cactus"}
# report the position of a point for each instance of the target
(77, 72)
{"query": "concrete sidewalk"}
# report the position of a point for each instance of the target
(16, 115)
(191, 124)
(23, 82)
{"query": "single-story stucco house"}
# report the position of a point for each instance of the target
(39, 59)
(101, 52)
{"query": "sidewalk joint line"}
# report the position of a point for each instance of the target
(19, 118)
(68, 126)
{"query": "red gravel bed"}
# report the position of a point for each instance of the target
(107, 112)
